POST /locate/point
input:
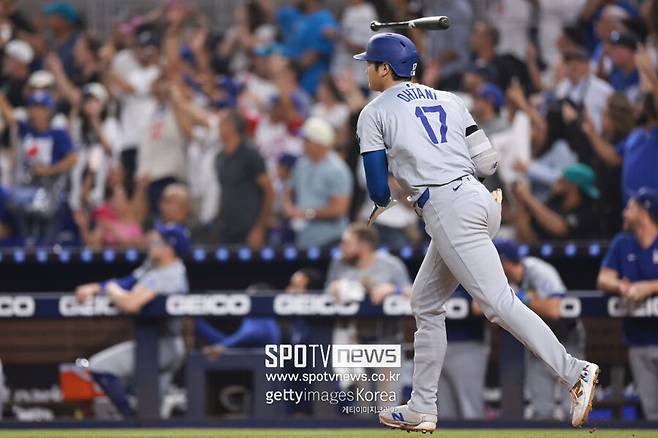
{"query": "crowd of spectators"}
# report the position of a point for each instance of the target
(246, 134)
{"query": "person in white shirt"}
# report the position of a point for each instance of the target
(137, 103)
(352, 38)
(582, 87)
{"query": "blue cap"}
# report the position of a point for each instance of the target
(507, 250)
(648, 199)
(492, 94)
(287, 160)
(176, 236)
(63, 9)
(41, 98)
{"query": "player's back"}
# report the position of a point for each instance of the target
(423, 131)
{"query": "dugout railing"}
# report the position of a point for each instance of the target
(49, 306)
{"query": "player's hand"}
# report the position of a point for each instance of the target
(213, 351)
(498, 195)
(639, 291)
(377, 210)
(86, 291)
(381, 291)
(624, 287)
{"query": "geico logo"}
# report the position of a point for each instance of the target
(98, 306)
(396, 305)
(570, 307)
(456, 308)
(21, 306)
(217, 304)
(620, 307)
(288, 304)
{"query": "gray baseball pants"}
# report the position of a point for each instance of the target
(644, 366)
(119, 359)
(462, 217)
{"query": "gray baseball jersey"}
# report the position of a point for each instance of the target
(120, 358)
(424, 134)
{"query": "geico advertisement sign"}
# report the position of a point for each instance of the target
(618, 306)
(219, 304)
(97, 306)
(16, 306)
(456, 308)
(307, 304)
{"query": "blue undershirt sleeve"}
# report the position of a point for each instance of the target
(376, 166)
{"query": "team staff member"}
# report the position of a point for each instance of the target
(162, 273)
(630, 269)
(540, 287)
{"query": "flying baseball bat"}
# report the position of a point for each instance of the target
(439, 22)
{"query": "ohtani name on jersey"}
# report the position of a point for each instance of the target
(413, 93)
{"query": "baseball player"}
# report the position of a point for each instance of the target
(630, 269)
(430, 143)
(162, 273)
(539, 286)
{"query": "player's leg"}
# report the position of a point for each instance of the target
(468, 378)
(109, 367)
(644, 366)
(461, 218)
(541, 386)
(432, 287)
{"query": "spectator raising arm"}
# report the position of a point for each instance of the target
(547, 218)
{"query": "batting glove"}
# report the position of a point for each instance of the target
(377, 210)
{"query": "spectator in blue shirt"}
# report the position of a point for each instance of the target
(624, 76)
(308, 30)
(254, 332)
(640, 153)
(630, 269)
(45, 158)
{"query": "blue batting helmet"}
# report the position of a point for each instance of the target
(394, 49)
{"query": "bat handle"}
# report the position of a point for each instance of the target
(375, 25)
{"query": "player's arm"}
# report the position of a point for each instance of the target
(548, 308)
(129, 301)
(369, 130)
(608, 281)
(482, 153)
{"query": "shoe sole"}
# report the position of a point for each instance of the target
(424, 427)
(589, 401)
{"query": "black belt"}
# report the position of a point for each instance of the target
(426, 194)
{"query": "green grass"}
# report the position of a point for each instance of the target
(324, 433)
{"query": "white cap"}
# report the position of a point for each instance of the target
(318, 131)
(97, 90)
(41, 79)
(20, 51)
